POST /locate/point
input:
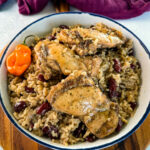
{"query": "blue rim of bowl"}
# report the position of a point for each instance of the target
(90, 148)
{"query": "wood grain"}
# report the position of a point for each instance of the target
(61, 6)
(12, 139)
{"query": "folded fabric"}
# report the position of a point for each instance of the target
(2, 1)
(117, 9)
(27, 7)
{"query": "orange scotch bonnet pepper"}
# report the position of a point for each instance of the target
(19, 60)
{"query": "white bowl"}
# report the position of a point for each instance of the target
(43, 26)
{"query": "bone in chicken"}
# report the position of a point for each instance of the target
(77, 95)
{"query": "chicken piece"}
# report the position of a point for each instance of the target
(77, 95)
(57, 57)
(104, 40)
(48, 67)
(88, 40)
(103, 123)
(66, 58)
(79, 101)
(75, 79)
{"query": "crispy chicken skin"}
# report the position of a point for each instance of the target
(77, 95)
(102, 37)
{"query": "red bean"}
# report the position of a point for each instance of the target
(41, 110)
(53, 129)
(80, 131)
(45, 131)
(29, 90)
(91, 138)
(41, 78)
(117, 65)
(112, 85)
(31, 124)
(133, 66)
(20, 106)
(63, 27)
(61, 42)
(52, 132)
(120, 124)
(133, 105)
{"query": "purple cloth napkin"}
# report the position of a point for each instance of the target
(117, 9)
(27, 7)
(2, 1)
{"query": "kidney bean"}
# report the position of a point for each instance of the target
(41, 110)
(61, 42)
(132, 66)
(80, 131)
(117, 65)
(41, 78)
(31, 124)
(52, 132)
(112, 85)
(45, 130)
(133, 105)
(29, 90)
(63, 27)
(53, 129)
(91, 138)
(120, 124)
(20, 106)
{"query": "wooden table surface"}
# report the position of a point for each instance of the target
(12, 139)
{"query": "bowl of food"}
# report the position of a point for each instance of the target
(75, 81)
